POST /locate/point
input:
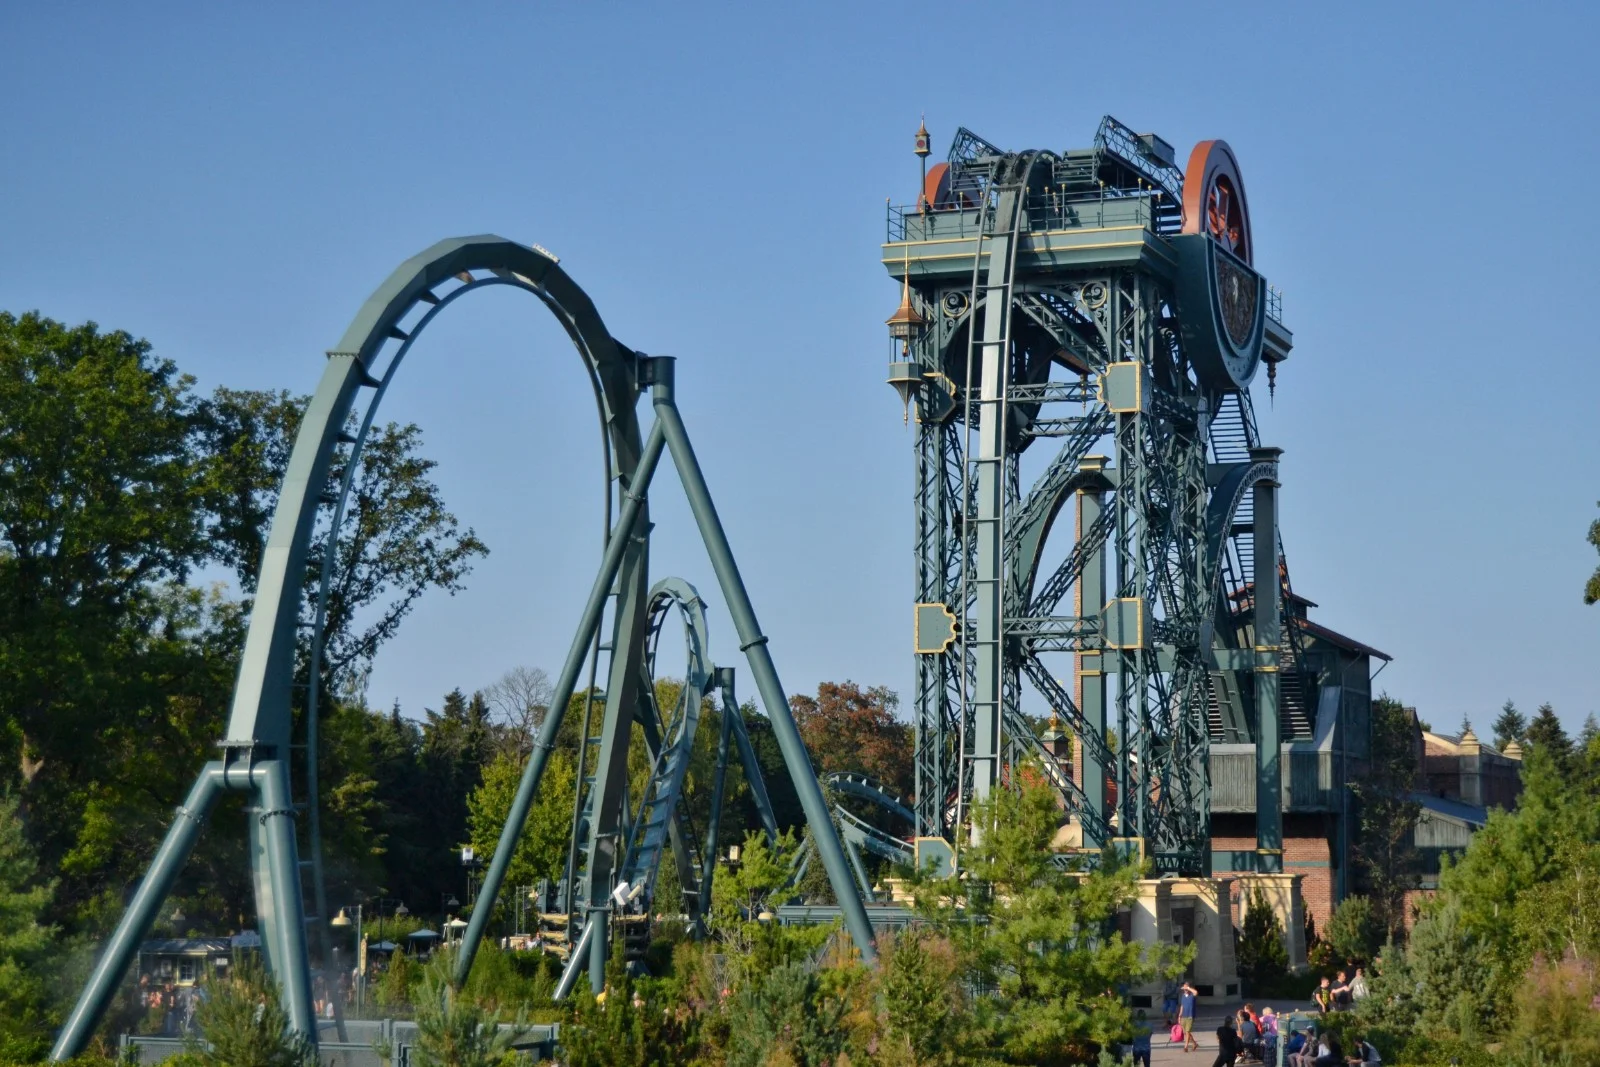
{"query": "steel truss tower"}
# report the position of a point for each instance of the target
(1102, 303)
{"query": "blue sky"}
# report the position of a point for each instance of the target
(231, 181)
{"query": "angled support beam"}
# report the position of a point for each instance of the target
(754, 645)
(623, 536)
(123, 947)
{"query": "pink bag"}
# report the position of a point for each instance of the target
(1177, 1033)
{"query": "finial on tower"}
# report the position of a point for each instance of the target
(923, 149)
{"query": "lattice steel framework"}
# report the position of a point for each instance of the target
(1130, 333)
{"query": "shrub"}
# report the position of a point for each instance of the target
(1354, 932)
(1555, 1012)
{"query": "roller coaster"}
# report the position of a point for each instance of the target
(617, 848)
(1097, 297)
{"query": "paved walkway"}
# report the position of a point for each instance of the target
(1163, 1053)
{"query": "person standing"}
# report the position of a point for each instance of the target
(1324, 997)
(1169, 1002)
(1358, 987)
(1341, 993)
(1186, 1004)
(1141, 1040)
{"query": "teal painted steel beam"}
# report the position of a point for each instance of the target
(708, 858)
(1092, 668)
(122, 948)
(1269, 639)
(754, 644)
(625, 534)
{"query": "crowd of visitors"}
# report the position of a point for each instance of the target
(169, 1007)
(1246, 1036)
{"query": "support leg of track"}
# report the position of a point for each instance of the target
(754, 645)
(622, 536)
(719, 783)
(1269, 635)
(278, 870)
(123, 947)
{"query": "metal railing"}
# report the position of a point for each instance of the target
(1052, 210)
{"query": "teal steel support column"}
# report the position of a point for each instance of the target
(754, 645)
(123, 946)
(754, 778)
(622, 536)
(1269, 640)
(274, 816)
(1092, 667)
(708, 858)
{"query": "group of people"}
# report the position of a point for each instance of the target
(1248, 1036)
(171, 1005)
(1341, 994)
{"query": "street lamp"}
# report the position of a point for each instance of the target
(342, 922)
(447, 901)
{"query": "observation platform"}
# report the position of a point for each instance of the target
(1063, 232)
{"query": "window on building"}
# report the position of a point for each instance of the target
(186, 970)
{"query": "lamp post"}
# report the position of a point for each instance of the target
(342, 922)
(447, 901)
(469, 860)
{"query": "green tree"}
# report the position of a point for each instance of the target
(455, 1031)
(924, 1003)
(742, 899)
(1546, 732)
(1033, 937)
(26, 943)
(1263, 961)
(1591, 589)
(542, 850)
(1386, 857)
(1511, 726)
(396, 538)
(784, 1016)
(98, 504)
(1451, 968)
(244, 1023)
(620, 1028)
(1355, 931)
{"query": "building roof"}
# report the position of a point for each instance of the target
(1455, 810)
(186, 946)
(1247, 592)
(1333, 637)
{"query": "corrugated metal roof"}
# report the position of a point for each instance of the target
(1452, 809)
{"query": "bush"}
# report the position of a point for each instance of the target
(1354, 932)
(243, 1022)
(455, 1031)
(1555, 1013)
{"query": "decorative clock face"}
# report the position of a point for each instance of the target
(1213, 198)
(1220, 294)
(1237, 288)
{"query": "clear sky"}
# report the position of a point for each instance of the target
(231, 181)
